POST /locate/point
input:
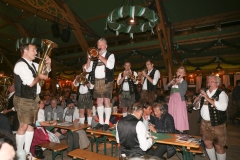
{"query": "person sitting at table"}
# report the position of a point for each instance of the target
(147, 110)
(53, 109)
(70, 114)
(42, 135)
(162, 123)
(131, 134)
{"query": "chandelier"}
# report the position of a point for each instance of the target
(132, 19)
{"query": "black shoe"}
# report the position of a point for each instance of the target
(98, 126)
(163, 158)
(105, 127)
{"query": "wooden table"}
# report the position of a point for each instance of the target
(72, 127)
(84, 154)
(171, 140)
(117, 114)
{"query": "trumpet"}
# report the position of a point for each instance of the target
(140, 74)
(93, 53)
(81, 78)
(129, 75)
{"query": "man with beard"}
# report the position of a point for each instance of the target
(102, 76)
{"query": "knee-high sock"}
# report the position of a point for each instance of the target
(100, 114)
(211, 153)
(108, 112)
(82, 120)
(20, 139)
(89, 120)
(28, 141)
(221, 156)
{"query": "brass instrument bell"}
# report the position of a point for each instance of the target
(93, 53)
(82, 78)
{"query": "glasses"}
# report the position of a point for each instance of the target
(212, 82)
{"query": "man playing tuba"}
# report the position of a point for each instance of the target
(127, 81)
(85, 100)
(102, 76)
(27, 91)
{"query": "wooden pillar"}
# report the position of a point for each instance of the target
(53, 75)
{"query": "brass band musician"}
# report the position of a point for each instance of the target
(149, 80)
(127, 81)
(27, 91)
(85, 100)
(102, 76)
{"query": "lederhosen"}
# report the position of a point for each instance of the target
(102, 87)
(215, 129)
(85, 101)
(26, 99)
(148, 95)
(127, 98)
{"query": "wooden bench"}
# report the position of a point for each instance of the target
(57, 148)
(238, 118)
(95, 138)
(196, 150)
(88, 155)
(114, 143)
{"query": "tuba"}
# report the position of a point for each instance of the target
(93, 53)
(42, 68)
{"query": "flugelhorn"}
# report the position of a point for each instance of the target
(93, 53)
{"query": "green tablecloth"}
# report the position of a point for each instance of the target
(160, 136)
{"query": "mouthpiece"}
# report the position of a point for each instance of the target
(38, 57)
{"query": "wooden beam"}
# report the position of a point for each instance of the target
(82, 24)
(32, 10)
(15, 20)
(164, 40)
(19, 27)
(224, 17)
(7, 60)
(78, 33)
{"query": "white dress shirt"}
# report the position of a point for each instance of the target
(100, 70)
(155, 79)
(221, 104)
(41, 116)
(125, 84)
(21, 69)
(83, 89)
(70, 118)
(144, 142)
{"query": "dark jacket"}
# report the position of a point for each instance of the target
(165, 124)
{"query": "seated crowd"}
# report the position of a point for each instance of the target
(147, 118)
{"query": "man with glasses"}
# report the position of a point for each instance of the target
(213, 108)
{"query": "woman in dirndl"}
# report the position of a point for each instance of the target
(177, 105)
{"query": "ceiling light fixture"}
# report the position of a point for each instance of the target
(219, 67)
